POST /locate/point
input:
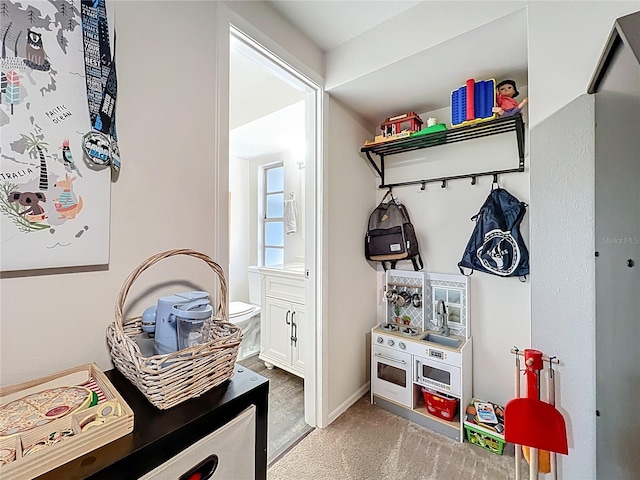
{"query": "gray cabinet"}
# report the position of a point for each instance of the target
(616, 84)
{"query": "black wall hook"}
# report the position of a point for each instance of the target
(495, 181)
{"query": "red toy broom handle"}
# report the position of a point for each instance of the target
(533, 361)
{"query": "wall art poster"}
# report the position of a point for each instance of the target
(54, 204)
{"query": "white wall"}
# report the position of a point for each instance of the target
(499, 314)
(166, 194)
(563, 53)
(278, 137)
(168, 182)
(244, 180)
(294, 189)
(163, 199)
(267, 27)
(562, 292)
(562, 56)
(350, 282)
(421, 27)
(242, 229)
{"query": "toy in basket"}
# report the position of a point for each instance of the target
(484, 425)
(169, 379)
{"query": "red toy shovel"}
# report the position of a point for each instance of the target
(531, 422)
(535, 424)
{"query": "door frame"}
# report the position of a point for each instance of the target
(229, 22)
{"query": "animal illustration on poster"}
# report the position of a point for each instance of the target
(54, 201)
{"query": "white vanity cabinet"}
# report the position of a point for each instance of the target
(283, 319)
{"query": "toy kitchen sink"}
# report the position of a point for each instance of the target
(446, 341)
(422, 352)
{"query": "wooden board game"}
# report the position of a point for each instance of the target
(47, 422)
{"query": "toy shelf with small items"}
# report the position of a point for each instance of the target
(404, 292)
(501, 125)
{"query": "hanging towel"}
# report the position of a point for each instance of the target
(290, 213)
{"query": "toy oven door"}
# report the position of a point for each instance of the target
(437, 375)
(391, 375)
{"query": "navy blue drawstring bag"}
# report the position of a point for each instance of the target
(496, 245)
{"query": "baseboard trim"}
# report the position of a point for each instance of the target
(347, 403)
(290, 447)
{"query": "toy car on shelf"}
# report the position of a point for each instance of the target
(395, 128)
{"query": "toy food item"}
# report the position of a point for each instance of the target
(41, 408)
(544, 459)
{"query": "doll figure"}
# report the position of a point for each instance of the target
(505, 98)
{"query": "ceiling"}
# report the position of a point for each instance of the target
(422, 82)
(331, 23)
(327, 23)
(248, 82)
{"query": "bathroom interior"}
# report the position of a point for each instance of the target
(266, 277)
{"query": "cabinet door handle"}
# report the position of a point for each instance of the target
(287, 318)
(294, 330)
(203, 470)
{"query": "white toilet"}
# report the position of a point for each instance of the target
(247, 317)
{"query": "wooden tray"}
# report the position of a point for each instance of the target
(69, 436)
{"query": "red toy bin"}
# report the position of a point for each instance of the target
(440, 405)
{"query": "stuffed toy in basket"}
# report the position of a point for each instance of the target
(167, 380)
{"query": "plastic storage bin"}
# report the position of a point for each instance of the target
(439, 405)
(477, 435)
(486, 435)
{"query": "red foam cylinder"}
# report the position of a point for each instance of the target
(471, 114)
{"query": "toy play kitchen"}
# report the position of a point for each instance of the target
(421, 355)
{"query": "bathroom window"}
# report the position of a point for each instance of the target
(273, 215)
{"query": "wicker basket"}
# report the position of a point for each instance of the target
(167, 380)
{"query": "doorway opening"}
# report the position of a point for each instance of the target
(273, 144)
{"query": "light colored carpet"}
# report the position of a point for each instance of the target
(369, 443)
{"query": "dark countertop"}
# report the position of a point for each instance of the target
(160, 434)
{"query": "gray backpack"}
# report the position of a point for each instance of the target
(390, 235)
